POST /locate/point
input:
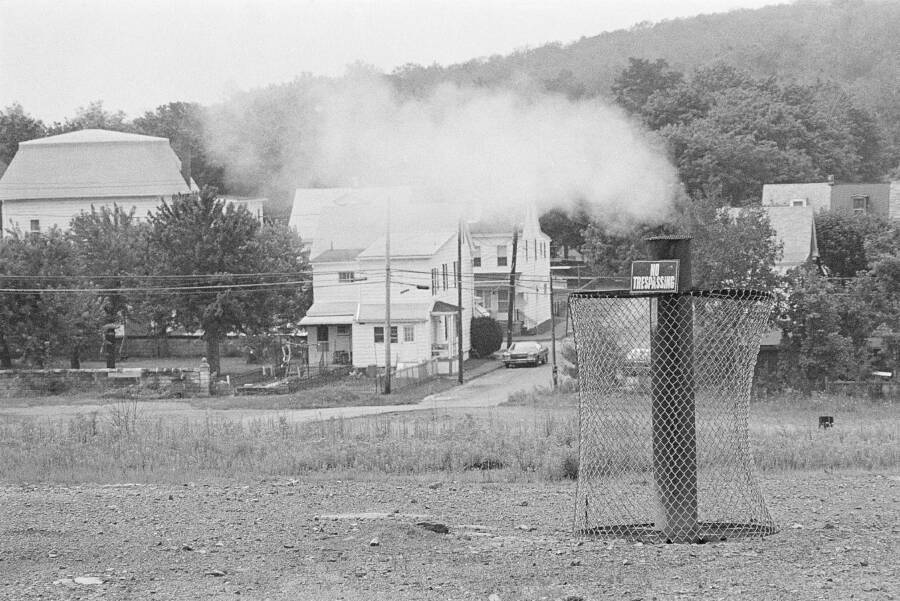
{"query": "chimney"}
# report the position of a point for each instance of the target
(830, 180)
(185, 161)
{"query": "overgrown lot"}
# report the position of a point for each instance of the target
(534, 437)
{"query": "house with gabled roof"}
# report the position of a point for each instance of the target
(346, 229)
(51, 180)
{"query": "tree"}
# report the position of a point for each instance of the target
(565, 227)
(825, 325)
(109, 252)
(183, 124)
(93, 116)
(843, 237)
(640, 80)
(487, 336)
(729, 133)
(17, 126)
(730, 249)
(234, 258)
(47, 313)
(611, 251)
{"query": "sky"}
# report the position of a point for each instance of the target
(58, 55)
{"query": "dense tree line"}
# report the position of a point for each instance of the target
(198, 264)
(729, 133)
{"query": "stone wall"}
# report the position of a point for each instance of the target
(167, 381)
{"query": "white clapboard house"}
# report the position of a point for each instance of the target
(492, 237)
(51, 180)
(346, 229)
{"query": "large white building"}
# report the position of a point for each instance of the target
(492, 237)
(346, 230)
(51, 180)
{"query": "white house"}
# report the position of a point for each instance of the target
(492, 238)
(53, 179)
(347, 232)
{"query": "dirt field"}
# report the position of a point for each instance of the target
(329, 538)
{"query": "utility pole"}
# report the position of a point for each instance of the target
(459, 298)
(512, 286)
(555, 372)
(387, 300)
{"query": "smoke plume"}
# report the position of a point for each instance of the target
(497, 149)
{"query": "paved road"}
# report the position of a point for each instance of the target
(486, 391)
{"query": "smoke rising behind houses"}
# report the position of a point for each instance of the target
(494, 149)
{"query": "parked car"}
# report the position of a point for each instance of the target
(525, 353)
(635, 370)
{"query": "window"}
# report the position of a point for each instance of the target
(502, 300)
(798, 202)
(35, 226)
(483, 297)
(379, 334)
(501, 255)
(409, 333)
(343, 330)
(444, 275)
(453, 278)
(434, 280)
(476, 258)
(321, 333)
(526, 250)
(345, 276)
(860, 204)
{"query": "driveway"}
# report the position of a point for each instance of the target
(486, 391)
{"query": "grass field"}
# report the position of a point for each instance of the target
(534, 438)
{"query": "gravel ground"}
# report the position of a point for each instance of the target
(325, 538)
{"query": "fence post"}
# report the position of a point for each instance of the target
(673, 416)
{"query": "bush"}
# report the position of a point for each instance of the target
(487, 336)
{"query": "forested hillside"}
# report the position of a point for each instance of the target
(854, 43)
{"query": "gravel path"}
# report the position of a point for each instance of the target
(325, 538)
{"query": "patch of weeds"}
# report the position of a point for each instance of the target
(570, 466)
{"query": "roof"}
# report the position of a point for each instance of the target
(495, 276)
(93, 164)
(374, 312)
(423, 244)
(795, 230)
(356, 217)
(501, 225)
(815, 195)
(442, 307)
(92, 136)
(333, 255)
(329, 313)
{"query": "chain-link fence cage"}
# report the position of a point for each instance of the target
(664, 384)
